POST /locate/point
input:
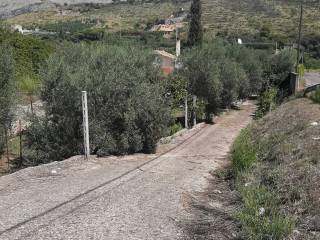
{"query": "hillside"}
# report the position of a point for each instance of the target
(236, 18)
(17, 7)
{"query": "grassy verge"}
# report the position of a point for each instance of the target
(260, 214)
(276, 173)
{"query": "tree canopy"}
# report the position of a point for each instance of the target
(7, 83)
(195, 29)
(128, 110)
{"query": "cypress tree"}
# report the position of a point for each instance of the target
(195, 29)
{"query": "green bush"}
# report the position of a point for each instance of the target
(267, 101)
(29, 52)
(128, 110)
(316, 96)
(175, 128)
(244, 152)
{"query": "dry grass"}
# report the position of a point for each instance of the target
(249, 16)
(115, 16)
(212, 212)
(290, 162)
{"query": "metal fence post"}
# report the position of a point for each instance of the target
(85, 124)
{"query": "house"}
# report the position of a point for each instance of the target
(17, 28)
(166, 61)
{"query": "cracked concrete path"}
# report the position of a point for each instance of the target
(133, 197)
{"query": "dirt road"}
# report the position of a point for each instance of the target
(312, 78)
(135, 197)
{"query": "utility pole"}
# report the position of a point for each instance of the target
(299, 41)
(85, 124)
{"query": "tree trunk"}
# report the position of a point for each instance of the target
(194, 110)
(31, 104)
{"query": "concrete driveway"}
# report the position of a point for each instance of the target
(134, 197)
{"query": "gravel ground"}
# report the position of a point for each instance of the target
(131, 197)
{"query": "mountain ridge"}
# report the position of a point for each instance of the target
(10, 8)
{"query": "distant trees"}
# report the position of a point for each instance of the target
(7, 85)
(195, 28)
(215, 76)
(29, 86)
(128, 109)
(220, 73)
(28, 52)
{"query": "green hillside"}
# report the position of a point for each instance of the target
(266, 21)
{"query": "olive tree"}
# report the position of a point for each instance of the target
(128, 109)
(7, 81)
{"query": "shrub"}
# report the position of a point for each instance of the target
(128, 110)
(316, 96)
(175, 128)
(267, 101)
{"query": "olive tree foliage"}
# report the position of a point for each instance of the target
(128, 110)
(7, 89)
(276, 70)
(280, 66)
(253, 63)
(215, 75)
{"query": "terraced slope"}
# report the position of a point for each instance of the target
(234, 17)
(16, 7)
(248, 16)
